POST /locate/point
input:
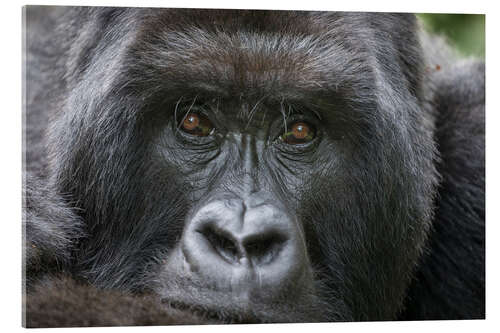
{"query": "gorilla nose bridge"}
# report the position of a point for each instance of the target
(250, 153)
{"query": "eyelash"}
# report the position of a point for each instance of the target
(204, 128)
(285, 126)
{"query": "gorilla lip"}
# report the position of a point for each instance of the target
(210, 314)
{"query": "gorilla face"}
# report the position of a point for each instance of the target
(246, 171)
(249, 166)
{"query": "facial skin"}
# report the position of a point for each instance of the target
(242, 237)
(251, 176)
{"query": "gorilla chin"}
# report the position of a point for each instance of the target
(237, 166)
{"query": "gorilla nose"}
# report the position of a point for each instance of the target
(234, 243)
(259, 245)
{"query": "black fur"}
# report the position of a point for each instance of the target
(390, 202)
(62, 302)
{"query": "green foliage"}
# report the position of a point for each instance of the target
(464, 31)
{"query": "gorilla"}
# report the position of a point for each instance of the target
(241, 166)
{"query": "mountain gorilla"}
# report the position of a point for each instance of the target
(195, 166)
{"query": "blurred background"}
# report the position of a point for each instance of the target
(464, 31)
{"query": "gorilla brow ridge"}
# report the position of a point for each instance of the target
(269, 65)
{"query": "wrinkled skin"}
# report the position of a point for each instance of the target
(254, 166)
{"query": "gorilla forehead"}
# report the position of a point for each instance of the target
(226, 54)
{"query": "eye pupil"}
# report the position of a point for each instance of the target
(300, 132)
(191, 122)
(197, 124)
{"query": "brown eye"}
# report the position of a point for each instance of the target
(197, 124)
(299, 132)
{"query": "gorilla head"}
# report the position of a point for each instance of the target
(250, 166)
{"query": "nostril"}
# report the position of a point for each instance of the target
(263, 248)
(222, 243)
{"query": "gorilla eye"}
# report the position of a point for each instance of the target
(197, 124)
(299, 132)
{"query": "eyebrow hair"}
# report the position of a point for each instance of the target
(219, 63)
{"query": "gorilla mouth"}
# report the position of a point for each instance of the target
(212, 316)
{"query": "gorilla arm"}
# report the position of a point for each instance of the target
(63, 302)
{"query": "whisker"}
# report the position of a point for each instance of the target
(283, 113)
(176, 107)
(187, 112)
(253, 111)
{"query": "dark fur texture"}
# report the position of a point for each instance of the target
(62, 302)
(392, 208)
